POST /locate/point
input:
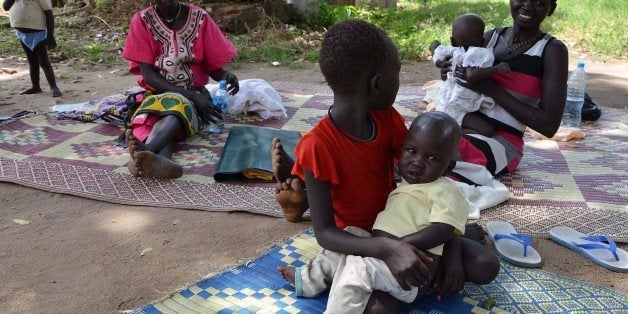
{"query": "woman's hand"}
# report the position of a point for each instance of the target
(232, 82)
(206, 109)
(406, 263)
(445, 67)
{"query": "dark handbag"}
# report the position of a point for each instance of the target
(590, 110)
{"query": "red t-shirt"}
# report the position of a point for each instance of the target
(360, 174)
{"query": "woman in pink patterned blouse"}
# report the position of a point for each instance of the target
(173, 48)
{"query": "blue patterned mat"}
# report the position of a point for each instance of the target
(256, 286)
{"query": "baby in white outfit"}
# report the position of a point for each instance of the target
(467, 52)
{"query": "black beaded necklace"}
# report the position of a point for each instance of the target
(511, 49)
(175, 17)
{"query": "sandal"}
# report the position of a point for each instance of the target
(17, 115)
(511, 246)
(601, 250)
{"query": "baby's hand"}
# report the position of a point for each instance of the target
(434, 45)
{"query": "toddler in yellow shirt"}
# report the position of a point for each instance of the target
(426, 210)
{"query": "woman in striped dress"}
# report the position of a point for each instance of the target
(532, 94)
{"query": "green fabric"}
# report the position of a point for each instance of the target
(248, 147)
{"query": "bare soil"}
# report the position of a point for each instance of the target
(81, 255)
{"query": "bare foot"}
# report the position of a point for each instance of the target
(475, 232)
(32, 90)
(56, 92)
(282, 163)
(151, 165)
(131, 143)
(292, 198)
(287, 272)
(132, 168)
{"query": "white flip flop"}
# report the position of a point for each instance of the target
(511, 246)
(599, 249)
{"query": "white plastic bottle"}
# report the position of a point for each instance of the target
(576, 85)
(221, 100)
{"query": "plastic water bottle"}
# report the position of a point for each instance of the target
(220, 100)
(576, 84)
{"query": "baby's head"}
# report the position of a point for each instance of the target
(467, 31)
(428, 150)
(356, 56)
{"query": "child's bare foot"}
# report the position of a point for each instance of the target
(56, 92)
(151, 165)
(32, 90)
(287, 272)
(282, 163)
(292, 198)
(475, 232)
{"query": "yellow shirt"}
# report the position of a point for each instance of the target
(412, 207)
(29, 14)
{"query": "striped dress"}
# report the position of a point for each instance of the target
(481, 158)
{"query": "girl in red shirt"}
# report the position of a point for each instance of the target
(346, 161)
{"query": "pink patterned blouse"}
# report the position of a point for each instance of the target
(184, 56)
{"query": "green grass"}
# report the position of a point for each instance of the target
(591, 29)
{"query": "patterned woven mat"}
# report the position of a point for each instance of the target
(256, 286)
(582, 184)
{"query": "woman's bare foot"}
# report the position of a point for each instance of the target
(128, 137)
(475, 232)
(151, 165)
(282, 163)
(132, 143)
(32, 90)
(292, 198)
(287, 272)
(56, 92)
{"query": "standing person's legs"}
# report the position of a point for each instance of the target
(33, 69)
(42, 56)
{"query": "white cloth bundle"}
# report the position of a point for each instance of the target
(482, 196)
(255, 95)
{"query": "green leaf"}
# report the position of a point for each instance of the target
(146, 251)
(488, 303)
(21, 222)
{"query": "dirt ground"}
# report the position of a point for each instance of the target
(81, 255)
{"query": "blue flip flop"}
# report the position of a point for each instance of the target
(599, 249)
(511, 246)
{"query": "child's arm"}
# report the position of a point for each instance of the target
(50, 29)
(476, 74)
(7, 4)
(405, 262)
(431, 236)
